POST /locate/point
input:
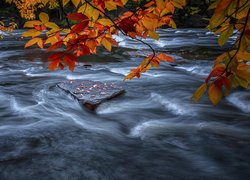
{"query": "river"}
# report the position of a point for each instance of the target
(153, 131)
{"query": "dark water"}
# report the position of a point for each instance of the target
(153, 131)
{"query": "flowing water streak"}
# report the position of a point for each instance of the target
(153, 131)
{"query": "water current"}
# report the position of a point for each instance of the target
(153, 131)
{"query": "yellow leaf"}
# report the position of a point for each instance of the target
(124, 1)
(242, 82)
(75, 2)
(89, 11)
(178, 5)
(199, 92)
(39, 42)
(44, 2)
(110, 5)
(213, 5)
(172, 24)
(31, 32)
(225, 35)
(52, 25)
(214, 94)
(149, 23)
(31, 24)
(65, 2)
(180, 2)
(105, 22)
(106, 44)
(153, 35)
(51, 40)
(44, 17)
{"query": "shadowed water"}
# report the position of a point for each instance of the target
(153, 131)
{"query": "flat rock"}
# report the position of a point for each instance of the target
(91, 93)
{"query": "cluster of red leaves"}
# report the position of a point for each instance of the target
(91, 27)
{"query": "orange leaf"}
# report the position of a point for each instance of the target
(214, 94)
(164, 57)
(223, 4)
(155, 62)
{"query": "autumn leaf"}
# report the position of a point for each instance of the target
(31, 24)
(33, 41)
(56, 55)
(52, 25)
(44, 17)
(199, 92)
(164, 57)
(217, 71)
(214, 94)
(75, 2)
(153, 35)
(32, 32)
(106, 44)
(65, 2)
(77, 16)
(80, 27)
(69, 60)
(225, 35)
(54, 64)
(55, 46)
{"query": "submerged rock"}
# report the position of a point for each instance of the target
(91, 93)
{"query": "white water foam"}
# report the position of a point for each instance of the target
(17, 107)
(173, 105)
(169, 127)
(241, 100)
(199, 70)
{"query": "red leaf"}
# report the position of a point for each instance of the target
(69, 62)
(85, 49)
(61, 66)
(77, 16)
(56, 55)
(71, 57)
(216, 72)
(37, 27)
(80, 27)
(54, 64)
(55, 46)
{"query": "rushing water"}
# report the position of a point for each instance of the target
(153, 131)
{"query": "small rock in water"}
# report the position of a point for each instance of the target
(91, 93)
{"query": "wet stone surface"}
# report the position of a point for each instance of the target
(91, 93)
